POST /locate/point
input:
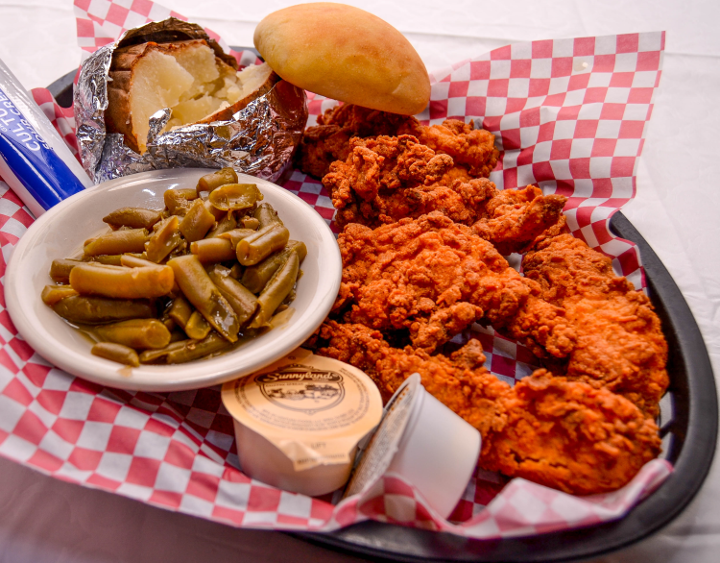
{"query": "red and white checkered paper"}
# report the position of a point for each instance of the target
(569, 115)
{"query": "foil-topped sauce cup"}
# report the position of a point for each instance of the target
(259, 139)
(425, 443)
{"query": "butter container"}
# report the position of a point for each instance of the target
(298, 422)
(425, 443)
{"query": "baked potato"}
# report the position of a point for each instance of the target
(180, 69)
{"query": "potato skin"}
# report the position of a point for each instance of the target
(346, 54)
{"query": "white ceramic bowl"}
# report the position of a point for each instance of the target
(60, 232)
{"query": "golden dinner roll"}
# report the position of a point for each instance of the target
(346, 54)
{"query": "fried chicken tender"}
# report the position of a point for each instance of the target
(469, 147)
(563, 434)
(516, 217)
(569, 436)
(429, 275)
(618, 344)
(329, 139)
(385, 179)
(460, 382)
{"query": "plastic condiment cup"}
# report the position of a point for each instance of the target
(298, 422)
(425, 443)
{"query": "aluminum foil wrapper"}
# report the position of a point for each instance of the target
(259, 139)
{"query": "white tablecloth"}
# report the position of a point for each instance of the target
(676, 210)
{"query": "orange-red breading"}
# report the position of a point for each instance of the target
(514, 218)
(328, 140)
(569, 435)
(385, 179)
(470, 148)
(428, 275)
(618, 338)
(564, 434)
(322, 144)
(424, 236)
(460, 381)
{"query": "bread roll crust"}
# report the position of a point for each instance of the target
(346, 54)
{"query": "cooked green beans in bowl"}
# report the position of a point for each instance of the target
(166, 285)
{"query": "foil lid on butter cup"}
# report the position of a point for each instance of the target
(259, 139)
(314, 409)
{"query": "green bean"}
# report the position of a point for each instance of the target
(197, 327)
(261, 244)
(165, 238)
(250, 223)
(186, 350)
(227, 223)
(235, 196)
(121, 282)
(100, 310)
(219, 214)
(276, 290)
(175, 259)
(216, 179)
(51, 294)
(116, 353)
(160, 356)
(243, 302)
(133, 261)
(194, 350)
(197, 222)
(211, 250)
(180, 311)
(236, 235)
(205, 297)
(136, 333)
(60, 269)
(133, 217)
(266, 215)
(255, 277)
(169, 323)
(177, 335)
(118, 242)
(178, 201)
(109, 259)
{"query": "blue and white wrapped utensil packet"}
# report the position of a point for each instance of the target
(34, 159)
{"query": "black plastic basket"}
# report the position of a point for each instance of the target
(689, 426)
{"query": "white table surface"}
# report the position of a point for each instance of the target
(676, 210)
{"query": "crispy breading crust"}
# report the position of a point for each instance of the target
(564, 434)
(569, 436)
(429, 275)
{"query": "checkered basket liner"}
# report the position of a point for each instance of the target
(570, 115)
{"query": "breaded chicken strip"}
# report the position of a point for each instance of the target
(564, 434)
(328, 141)
(385, 179)
(460, 381)
(514, 218)
(428, 275)
(569, 436)
(473, 149)
(619, 343)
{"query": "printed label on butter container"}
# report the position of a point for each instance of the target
(314, 409)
